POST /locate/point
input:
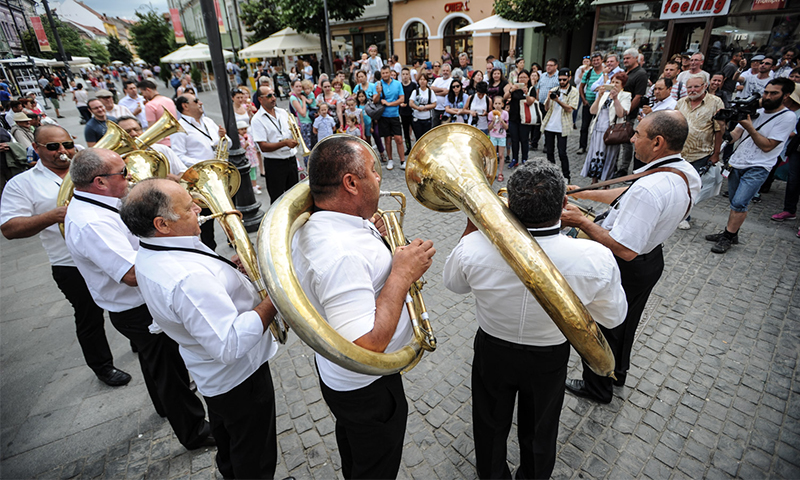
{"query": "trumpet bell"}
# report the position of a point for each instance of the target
(117, 139)
(201, 180)
(145, 164)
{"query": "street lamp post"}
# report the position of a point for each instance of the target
(58, 38)
(244, 199)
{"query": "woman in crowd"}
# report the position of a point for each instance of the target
(478, 106)
(519, 132)
(497, 84)
(241, 107)
(536, 130)
(613, 105)
(302, 106)
(455, 104)
(477, 78)
(329, 96)
(423, 101)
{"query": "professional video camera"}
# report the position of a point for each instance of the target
(740, 110)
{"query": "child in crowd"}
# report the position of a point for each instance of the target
(351, 109)
(498, 125)
(250, 152)
(361, 101)
(324, 124)
(353, 128)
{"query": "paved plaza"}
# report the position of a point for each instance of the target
(713, 390)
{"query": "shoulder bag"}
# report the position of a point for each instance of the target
(374, 110)
(530, 114)
(618, 133)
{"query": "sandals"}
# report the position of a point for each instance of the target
(500, 177)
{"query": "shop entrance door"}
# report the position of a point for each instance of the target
(687, 37)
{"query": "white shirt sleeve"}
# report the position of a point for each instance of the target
(638, 219)
(14, 203)
(605, 300)
(178, 142)
(454, 277)
(259, 130)
(212, 319)
(105, 246)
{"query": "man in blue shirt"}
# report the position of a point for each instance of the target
(96, 127)
(390, 93)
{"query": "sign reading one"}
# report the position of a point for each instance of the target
(457, 7)
(41, 36)
(176, 25)
(693, 8)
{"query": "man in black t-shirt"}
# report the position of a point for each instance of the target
(731, 73)
(637, 86)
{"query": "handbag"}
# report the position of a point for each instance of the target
(530, 114)
(618, 134)
(374, 110)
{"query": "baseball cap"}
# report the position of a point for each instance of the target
(757, 58)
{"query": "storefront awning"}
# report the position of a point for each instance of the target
(496, 22)
(605, 2)
(287, 42)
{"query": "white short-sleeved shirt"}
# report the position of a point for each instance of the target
(206, 306)
(34, 192)
(176, 166)
(342, 265)
(199, 141)
(505, 308)
(651, 209)
(134, 103)
(748, 154)
(441, 99)
(104, 250)
(267, 128)
(421, 98)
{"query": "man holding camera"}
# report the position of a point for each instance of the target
(751, 162)
(660, 98)
(560, 103)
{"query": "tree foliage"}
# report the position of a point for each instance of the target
(118, 51)
(557, 15)
(70, 39)
(261, 18)
(152, 36)
(98, 53)
(308, 15)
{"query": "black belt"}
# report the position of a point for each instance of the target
(515, 346)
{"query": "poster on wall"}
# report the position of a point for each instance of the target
(676, 9)
(41, 36)
(176, 25)
(219, 17)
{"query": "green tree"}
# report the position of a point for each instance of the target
(557, 15)
(98, 53)
(261, 18)
(152, 36)
(308, 16)
(118, 51)
(70, 38)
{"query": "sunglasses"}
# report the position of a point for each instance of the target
(124, 173)
(269, 95)
(53, 146)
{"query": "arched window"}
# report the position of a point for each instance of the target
(456, 42)
(416, 43)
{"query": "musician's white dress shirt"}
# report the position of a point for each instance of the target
(267, 128)
(504, 307)
(342, 265)
(206, 306)
(176, 166)
(199, 141)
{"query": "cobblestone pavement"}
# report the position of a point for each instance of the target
(713, 390)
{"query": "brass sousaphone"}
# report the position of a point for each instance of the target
(451, 168)
(274, 242)
(141, 160)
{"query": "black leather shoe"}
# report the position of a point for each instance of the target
(577, 388)
(114, 377)
(620, 381)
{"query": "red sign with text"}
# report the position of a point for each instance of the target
(41, 36)
(219, 17)
(768, 4)
(457, 7)
(176, 25)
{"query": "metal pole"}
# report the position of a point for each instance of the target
(329, 60)
(244, 199)
(58, 38)
(230, 32)
(238, 23)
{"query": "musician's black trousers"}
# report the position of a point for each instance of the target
(89, 321)
(639, 276)
(243, 423)
(165, 376)
(370, 425)
(500, 371)
(281, 176)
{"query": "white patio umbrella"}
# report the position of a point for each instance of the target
(201, 53)
(496, 22)
(287, 42)
(117, 62)
(176, 56)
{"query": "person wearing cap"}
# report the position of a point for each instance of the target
(107, 99)
(557, 122)
(757, 83)
(97, 126)
(755, 67)
(22, 131)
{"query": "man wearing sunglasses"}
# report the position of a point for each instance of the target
(272, 134)
(104, 251)
(28, 207)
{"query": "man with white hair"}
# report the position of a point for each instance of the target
(695, 67)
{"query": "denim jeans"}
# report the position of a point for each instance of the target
(743, 184)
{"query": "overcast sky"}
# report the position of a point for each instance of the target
(125, 9)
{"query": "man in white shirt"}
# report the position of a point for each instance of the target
(662, 98)
(754, 157)
(610, 68)
(756, 83)
(134, 102)
(198, 143)
(215, 314)
(104, 251)
(440, 87)
(695, 67)
(116, 111)
(357, 286)
(515, 336)
(272, 134)
(641, 217)
(133, 128)
(28, 207)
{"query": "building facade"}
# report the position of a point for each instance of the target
(372, 28)
(192, 21)
(717, 28)
(10, 41)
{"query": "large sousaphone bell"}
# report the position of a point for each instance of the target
(449, 169)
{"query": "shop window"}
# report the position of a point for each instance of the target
(753, 34)
(456, 42)
(648, 37)
(416, 43)
(630, 12)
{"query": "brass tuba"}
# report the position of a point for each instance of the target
(275, 236)
(451, 168)
(212, 184)
(141, 160)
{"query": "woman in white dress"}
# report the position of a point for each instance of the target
(609, 108)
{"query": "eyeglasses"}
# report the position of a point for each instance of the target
(196, 100)
(53, 146)
(124, 173)
(456, 86)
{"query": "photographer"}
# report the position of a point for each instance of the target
(557, 122)
(762, 141)
(661, 99)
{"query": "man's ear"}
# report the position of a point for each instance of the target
(161, 225)
(350, 183)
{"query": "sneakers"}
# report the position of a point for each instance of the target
(714, 237)
(684, 225)
(723, 242)
(257, 189)
(783, 216)
(402, 165)
(798, 233)
(390, 165)
(757, 198)
(582, 151)
(512, 164)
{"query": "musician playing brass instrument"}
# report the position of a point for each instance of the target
(272, 133)
(352, 280)
(518, 348)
